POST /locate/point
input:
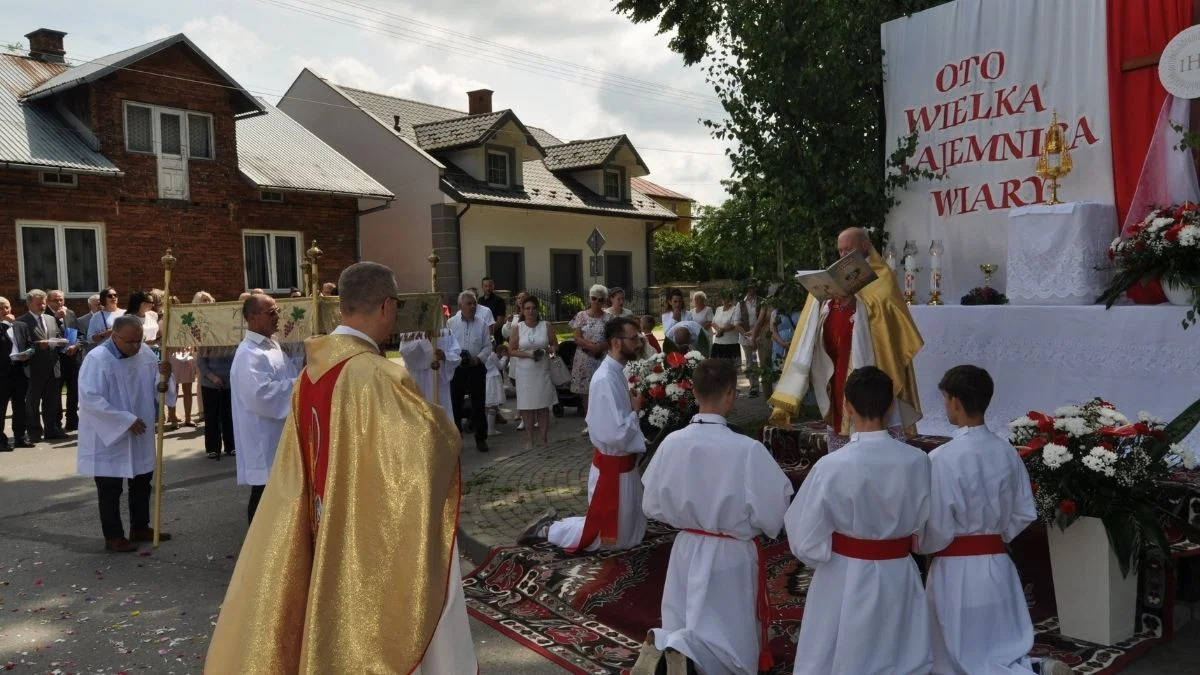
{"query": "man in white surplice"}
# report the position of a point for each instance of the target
(981, 499)
(853, 521)
(261, 381)
(722, 489)
(419, 356)
(614, 517)
(118, 406)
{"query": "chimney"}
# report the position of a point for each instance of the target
(479, 102)
(46, 45)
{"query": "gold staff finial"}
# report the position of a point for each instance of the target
(168, 260)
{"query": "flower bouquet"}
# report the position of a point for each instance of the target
(1166, 246)
(1091, 460)
(665, 379)
(984, 295)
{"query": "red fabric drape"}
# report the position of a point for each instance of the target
(1137, 28)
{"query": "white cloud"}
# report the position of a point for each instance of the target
(344, 70)
(232, 46)
(429, 85)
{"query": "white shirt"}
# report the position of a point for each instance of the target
(261, 380)
(690, 326)
(668, 320)
(418, 359)
(727, 319)
(473, 336)
(102, 321)
(113, 393)
(484, 312)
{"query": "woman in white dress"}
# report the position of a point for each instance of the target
(675, 311)
(702, 313)
(530, 348)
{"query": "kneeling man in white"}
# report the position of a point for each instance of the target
(722, 490)
(853, 521)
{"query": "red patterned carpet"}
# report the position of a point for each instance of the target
(590, 613)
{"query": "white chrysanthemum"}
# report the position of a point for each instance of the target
(659, 417)
(1186, 455)
(654, 378)
(1160, 223)
(1055, 455)
(1111, 417)
(1074, 426)
(695, 356)
(1150, 419)
(1068, 411)
(1189, 236)
(674, 391)
(1022, 421)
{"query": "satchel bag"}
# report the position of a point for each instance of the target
(560, 375)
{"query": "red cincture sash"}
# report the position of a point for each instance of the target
(604, 511)
(872, 549)
(312, 426)
(762, 603)
(974, 544)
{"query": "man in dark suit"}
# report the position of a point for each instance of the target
(12, 380)
(43, 400)
(69, 357)
(495, 304)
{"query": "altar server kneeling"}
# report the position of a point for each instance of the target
(853, 521)
(980, 500)
(722, 490)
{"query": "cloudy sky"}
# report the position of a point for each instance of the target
(572, 67)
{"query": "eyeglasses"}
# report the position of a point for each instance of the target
(597, 299)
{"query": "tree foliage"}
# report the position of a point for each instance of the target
(801, 83)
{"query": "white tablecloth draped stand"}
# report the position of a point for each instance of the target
(1137, 357)
(1057, 255)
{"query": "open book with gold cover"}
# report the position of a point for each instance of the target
(843, 278)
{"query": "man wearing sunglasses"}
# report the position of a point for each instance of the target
(261, 381)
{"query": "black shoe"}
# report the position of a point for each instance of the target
(56, 435)
(482, 446)
(214, 455)
(231, 453)
(536, 533)
(72, 426)
(24, 443)
(33, 440)
(6, 448)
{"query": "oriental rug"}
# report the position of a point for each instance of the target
(590, 613)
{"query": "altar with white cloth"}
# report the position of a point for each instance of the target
(1042, 357)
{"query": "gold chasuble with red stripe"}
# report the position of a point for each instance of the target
(347, 564)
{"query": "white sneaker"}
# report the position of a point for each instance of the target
(521, 425)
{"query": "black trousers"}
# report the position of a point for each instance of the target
(43, 405)
(109, 490)
(256, 492)
(218, 419)
(70, 377)
(469, 382)
(12, 389)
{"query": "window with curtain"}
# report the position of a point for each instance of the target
(61, 256)
(200, 136)
(139, 134)
(497, 168)
(272, 260)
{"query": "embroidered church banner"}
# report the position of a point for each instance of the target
(978, 80)
(216, 326)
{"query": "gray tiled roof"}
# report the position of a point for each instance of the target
(581, 154)
(546, 190)
(106, 65)
(457, 132)
(276, 153)
(413, 113)
(33, 133)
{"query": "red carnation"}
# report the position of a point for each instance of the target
(633, 379)
(685, 385)
(1067, 506)
(676, 360)
(658, 369)
(658, 391)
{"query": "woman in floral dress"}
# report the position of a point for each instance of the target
(589, 338)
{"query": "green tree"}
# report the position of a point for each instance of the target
(678, 257)
(801, 83)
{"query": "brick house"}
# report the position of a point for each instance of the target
(105, 164)
(489, 194)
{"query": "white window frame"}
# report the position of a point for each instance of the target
(185, 131)
(604, 185)
(60, 248)
(58, 182)
(508, 169)
(272, 273)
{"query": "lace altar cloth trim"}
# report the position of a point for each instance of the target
(1059, 256)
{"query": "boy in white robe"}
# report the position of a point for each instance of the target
(722, 489)
(853, 521)
(419, 356)
(614, 517)
(980, 500)
(118, 406)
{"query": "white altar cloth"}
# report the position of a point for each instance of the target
(1054, 252)
(1137, 357)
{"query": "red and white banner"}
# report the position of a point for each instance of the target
(977, 80)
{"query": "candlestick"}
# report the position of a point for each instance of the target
(935, 272)
(910, 270)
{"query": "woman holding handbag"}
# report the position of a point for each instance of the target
(531, 348)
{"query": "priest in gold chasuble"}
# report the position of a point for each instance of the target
(874, 328)
(350, 565)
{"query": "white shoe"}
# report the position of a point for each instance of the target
(584, 432)
(521, 425)
(647, 661)
(494, 432)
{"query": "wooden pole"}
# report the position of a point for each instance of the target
(168, 261)
(436, 365)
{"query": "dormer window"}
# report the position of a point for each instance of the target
(498, 169)
(612, 185)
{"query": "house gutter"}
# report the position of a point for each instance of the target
(21, 166)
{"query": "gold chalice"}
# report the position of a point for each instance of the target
(988, 269)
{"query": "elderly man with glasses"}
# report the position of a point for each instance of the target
(261, 382)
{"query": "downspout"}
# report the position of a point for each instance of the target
(458, 242)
